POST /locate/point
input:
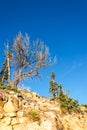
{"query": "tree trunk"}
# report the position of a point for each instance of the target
(19, 77)
(8, 67)
(15, 83)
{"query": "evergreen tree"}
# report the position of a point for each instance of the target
(53, 76)
(60, 90)
(53, 86)
(4, 74)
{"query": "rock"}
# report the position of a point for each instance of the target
(1, 109)
(20, 96)
(23, 119)
(14, 113)
(14, 121)
(50, 114)
(47, 124)
(2, 95)
(11, 92)
(9, 107)
(1, 115)
(29, 126)
(5, 127)
(19, 127)
(1, 103)
(11, 114)
(20, 114)
(15, 101)
(6, 120)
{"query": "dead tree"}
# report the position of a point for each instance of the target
(29, 58)
(8, 59)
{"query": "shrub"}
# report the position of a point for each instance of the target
(68, 104)
(85, 111)
(85, 105)
(3, 87)
(35, 116)
(10, 88)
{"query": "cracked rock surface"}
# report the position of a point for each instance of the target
(28, 111)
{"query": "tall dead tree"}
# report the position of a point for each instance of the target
(8, 58)
(29, 58)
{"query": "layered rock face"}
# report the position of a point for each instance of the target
(28, 111)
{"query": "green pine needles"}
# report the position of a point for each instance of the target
(67, 104)
(55, 88)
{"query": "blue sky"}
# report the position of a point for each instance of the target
(62, 25)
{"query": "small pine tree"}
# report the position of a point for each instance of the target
(60, 90)
(53, 86)
(53, 76)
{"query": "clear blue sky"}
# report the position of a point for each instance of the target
(62, 25)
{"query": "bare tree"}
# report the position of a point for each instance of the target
(29, 58)
(8, 59)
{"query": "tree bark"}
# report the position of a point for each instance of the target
(8, 67)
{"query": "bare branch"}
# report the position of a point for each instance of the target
(29, 58)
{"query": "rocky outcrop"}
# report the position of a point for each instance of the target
(28, 111)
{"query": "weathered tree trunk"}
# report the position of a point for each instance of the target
(15, 83)
(17, 80)
(8, 68)
(30, 57)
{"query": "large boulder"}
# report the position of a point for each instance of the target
(9, 107)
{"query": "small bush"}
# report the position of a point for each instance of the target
(10, 88)
(3, 87)
(85, 111)
(85, 105)
(35, 116)
(68, 104)
(64, 110)
(15, 89)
